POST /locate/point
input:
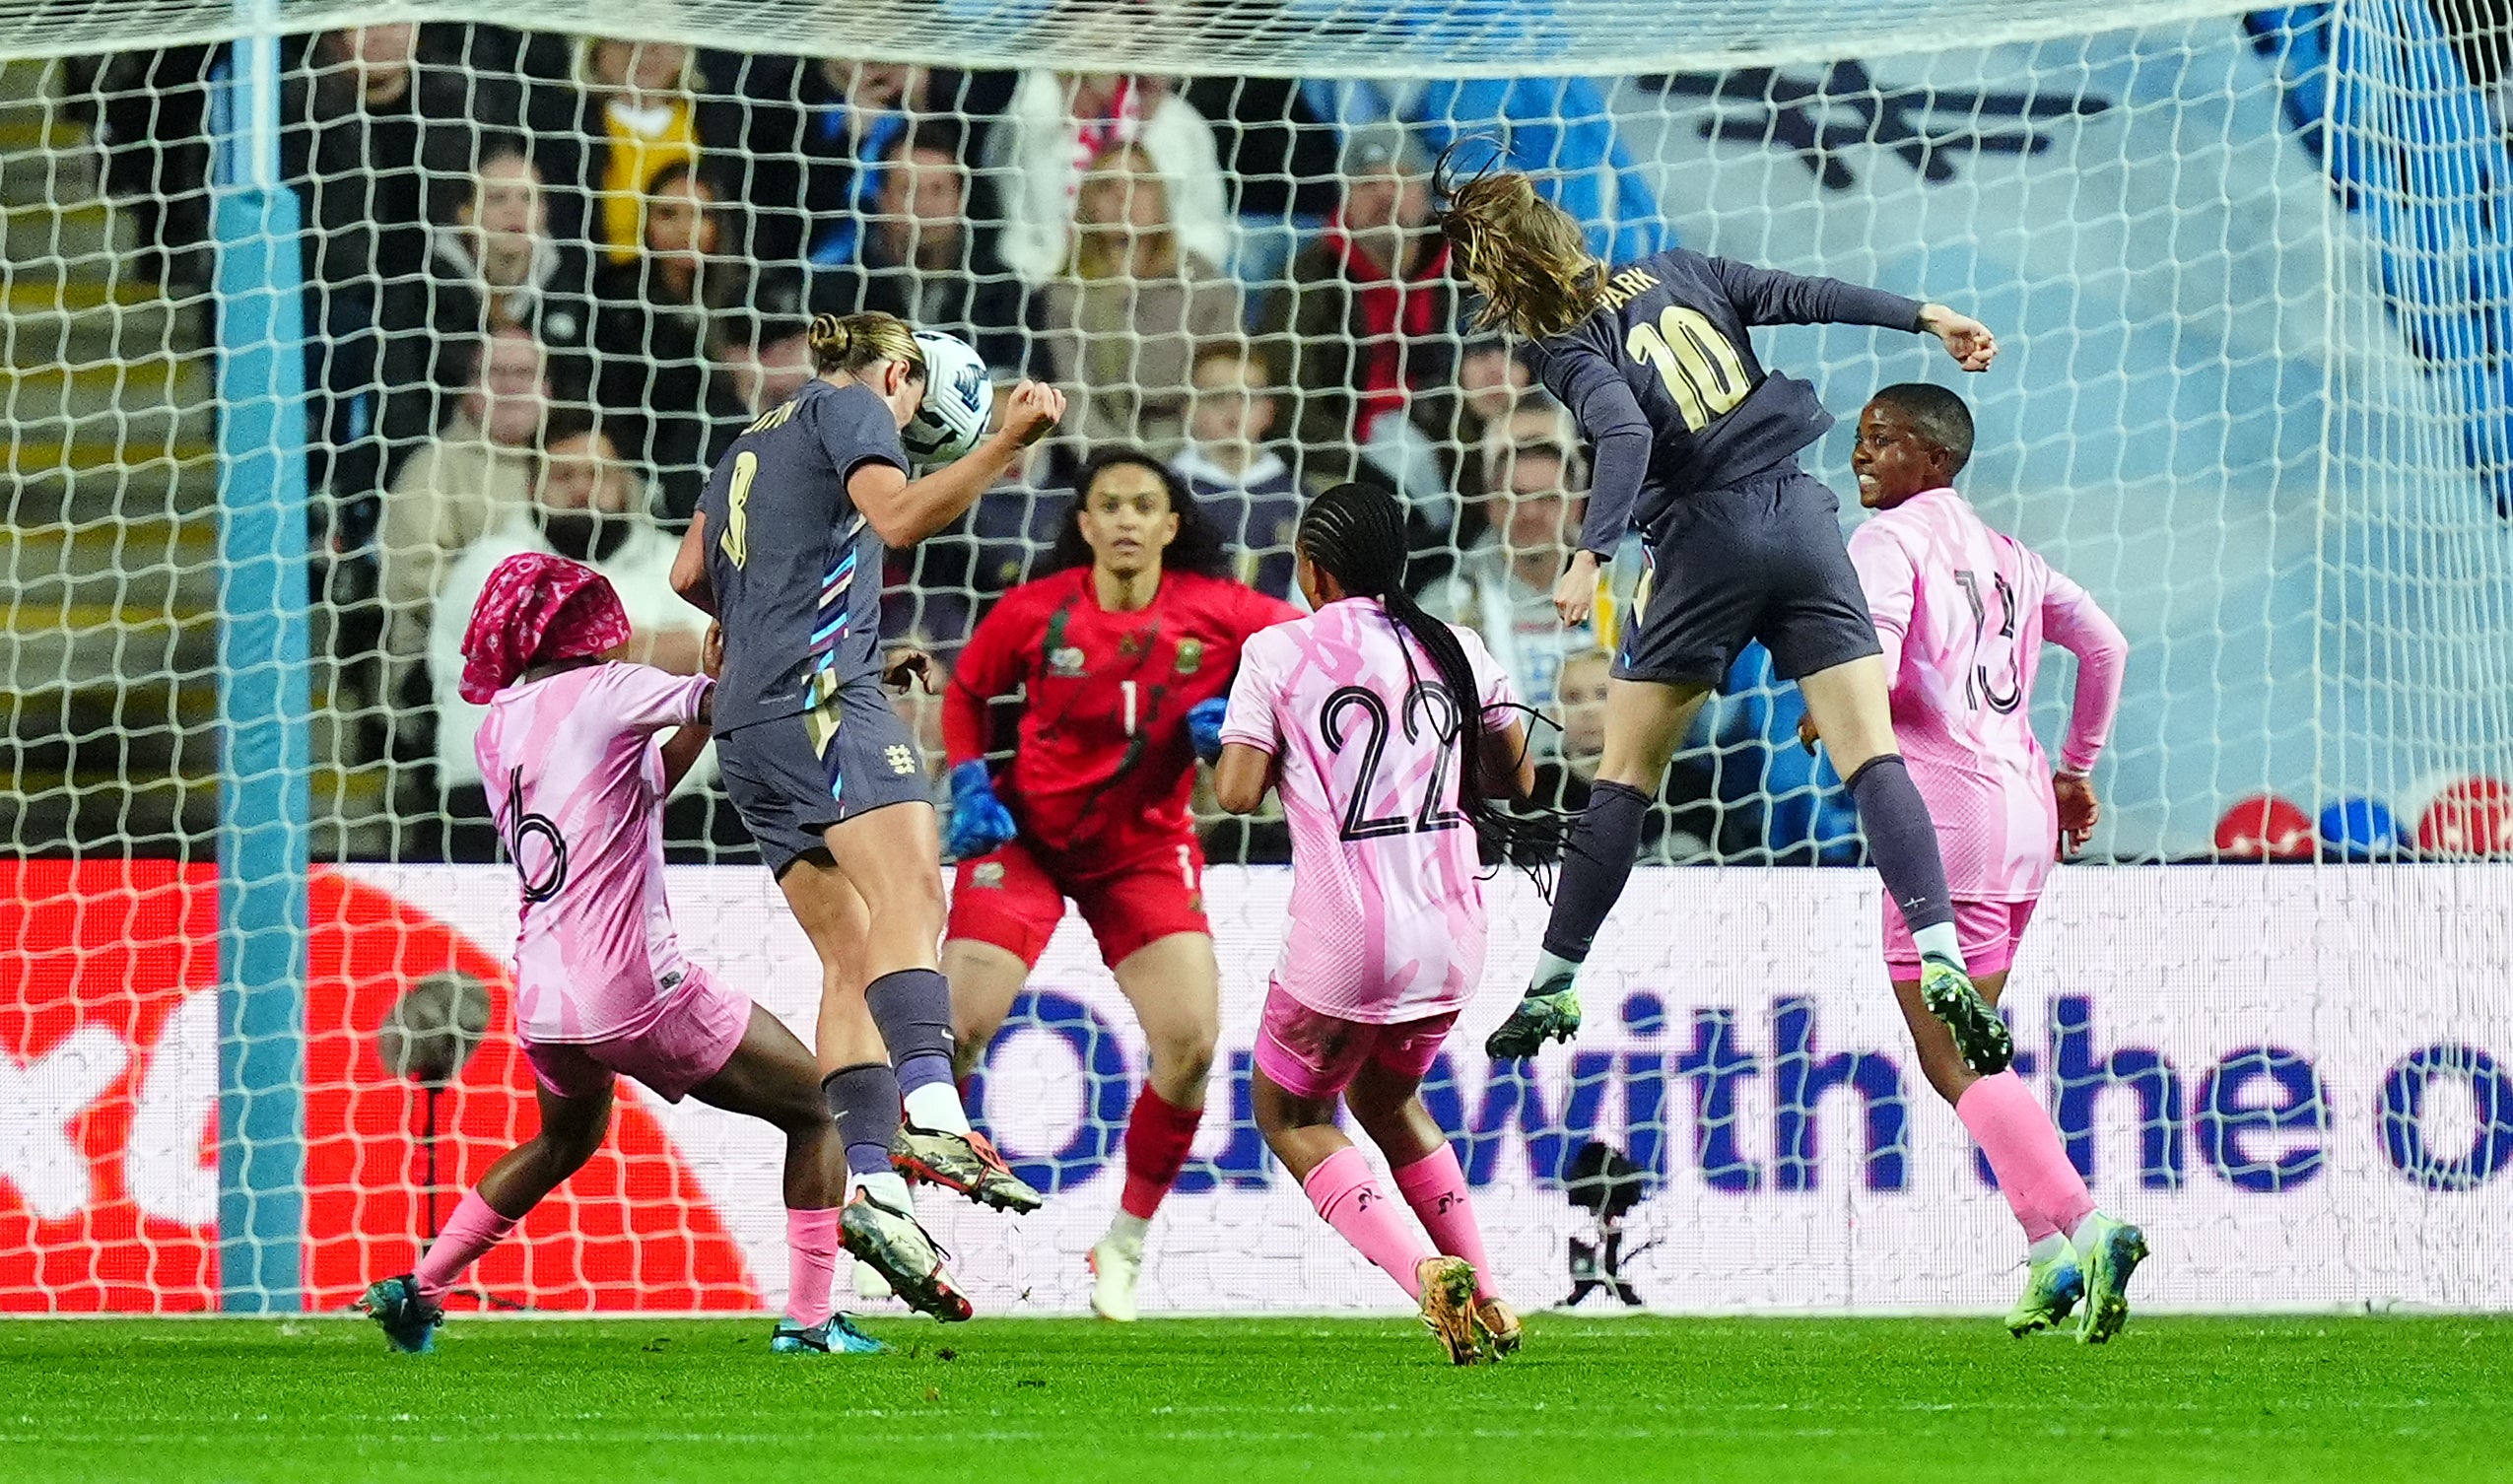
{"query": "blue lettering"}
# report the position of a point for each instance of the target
(1108, 1088)
(1644, 1088)
(1800, 1079)
(1716, 1066)
(1510, 1097)
(2230, 1119)
(2403, 1109)
(1244, 1162)
(2081, 1078)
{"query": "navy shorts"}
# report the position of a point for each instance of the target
(794, 776)
(1763, 560)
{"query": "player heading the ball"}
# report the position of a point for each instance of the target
(1121, 653)
(1391, 737)
(1962, 612)
(1696, 446)
(787, 549)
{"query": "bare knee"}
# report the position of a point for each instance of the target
(1184, 1055)
(563, 1151)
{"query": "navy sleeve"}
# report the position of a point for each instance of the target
(1767, 295)
(853, 434)
(1618, 435)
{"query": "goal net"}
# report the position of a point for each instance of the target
(516, 289)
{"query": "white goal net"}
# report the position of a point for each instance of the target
(2255, 287)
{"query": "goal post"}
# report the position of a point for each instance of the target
(2253, 281)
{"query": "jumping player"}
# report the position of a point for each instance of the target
(1391, 734)
(1121, 655)
(577, 783)
(1696, 446)
(787, 548)
(1962, 612)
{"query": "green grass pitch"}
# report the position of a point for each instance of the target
(1592, 1400)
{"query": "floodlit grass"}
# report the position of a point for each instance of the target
(1595, 1400)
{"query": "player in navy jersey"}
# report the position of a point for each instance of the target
(786, 548)
(1123, 655)
(1695, 446)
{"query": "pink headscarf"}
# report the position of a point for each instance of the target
(537, 609)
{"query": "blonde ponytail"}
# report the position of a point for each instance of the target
(1526, 256)
(851, 342)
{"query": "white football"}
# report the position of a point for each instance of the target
(959, 398)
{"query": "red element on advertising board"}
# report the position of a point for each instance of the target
(102, 1210)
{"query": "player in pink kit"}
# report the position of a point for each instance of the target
(576, 783)
(1962, 612)
(1391, 735)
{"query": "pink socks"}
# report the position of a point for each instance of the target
(1345, 1193)
(811, 1246)
(1436, 1188)
(2014, 1131)
(474, 1228)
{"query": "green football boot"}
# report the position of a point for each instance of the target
(2051, 1292)
(1979, 1036)
(1549, 1012)
(2112, 1254)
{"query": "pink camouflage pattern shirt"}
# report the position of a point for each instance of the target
(574, 777)
(1963, 612)
(1386, 888)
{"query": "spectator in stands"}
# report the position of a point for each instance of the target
(923, 260)
(492, 266)
(632, 111)
(1244, 485)
(1368, 325)
(1502, 585)
(150, 114)
(585, 504)
(1124, 317)
(1059, 123)
(455, 489)
(856, 113)
(376, 144)
(764, 360)
(658, 400)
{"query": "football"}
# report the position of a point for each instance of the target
(959, 398)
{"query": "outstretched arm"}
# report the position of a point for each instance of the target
(904, 512)
(1768, 296)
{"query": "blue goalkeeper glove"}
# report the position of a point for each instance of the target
(1205, 726)
(978, 821)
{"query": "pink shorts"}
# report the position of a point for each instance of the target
(688, 1042)
(1311, 1054)
(1990, 932)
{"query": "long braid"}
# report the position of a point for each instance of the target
(1357, 535)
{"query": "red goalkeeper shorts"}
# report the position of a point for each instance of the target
(1014, 898)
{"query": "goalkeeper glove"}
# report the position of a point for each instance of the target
(978, 821)
(1205, 726)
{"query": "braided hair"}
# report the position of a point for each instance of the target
(1198, 547)
(1356, 534)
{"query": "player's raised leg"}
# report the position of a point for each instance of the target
(771, 1076)
(892, 856)
(1644, 722)
(573, 1124)
(1386, 1099)
(1848, 708)
(861, 1092)
(1175, 987)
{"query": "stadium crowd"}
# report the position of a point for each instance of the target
(549, 278)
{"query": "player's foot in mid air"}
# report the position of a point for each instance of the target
(2051, 1291)
(1502, 1333)
(1980, 1038)
(408, 1317)
(900, 1251)
(2112, 1252)
(834, 1335)
(1550, 1011)
(962, 1162)
(1450, 1299)
(1117, 1266)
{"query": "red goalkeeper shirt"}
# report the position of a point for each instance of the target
(1101, 756)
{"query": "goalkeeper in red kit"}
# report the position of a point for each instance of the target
(1123, 655)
